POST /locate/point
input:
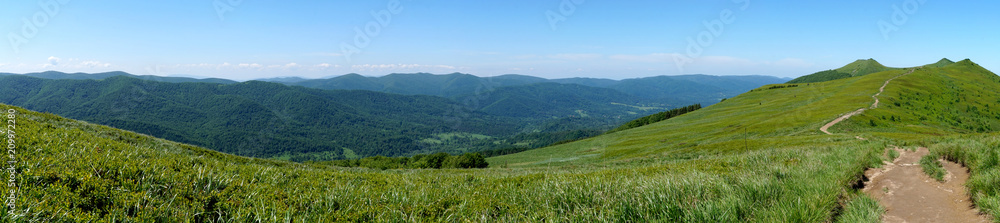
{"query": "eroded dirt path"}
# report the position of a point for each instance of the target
(909, 195)
(859, 111)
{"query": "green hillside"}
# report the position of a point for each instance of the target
(958, 98)
(854, 69)
(757, 157)
(74, 171)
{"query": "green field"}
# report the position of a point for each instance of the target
(757, 157)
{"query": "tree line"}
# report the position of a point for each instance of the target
(432, 161)
(657, 117)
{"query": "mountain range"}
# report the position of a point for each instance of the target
(263, 119)
(672, 90)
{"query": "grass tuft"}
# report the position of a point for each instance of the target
(932, 167)
(862, 209)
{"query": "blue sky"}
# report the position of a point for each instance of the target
(249, 39)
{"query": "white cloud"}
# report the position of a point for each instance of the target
(384, 67)
(326, 65)
(250, 66)
(54, 61)
(291, 65)
(94, 64)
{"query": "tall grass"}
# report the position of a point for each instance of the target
(932, 167)
(862, 209)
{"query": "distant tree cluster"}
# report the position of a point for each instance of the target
(821, 76)
(657, 117)
(422, 161)
(782, 86)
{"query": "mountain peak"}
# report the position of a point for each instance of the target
(862, 67)
(941, 63)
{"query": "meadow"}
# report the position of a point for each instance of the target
(71, 170)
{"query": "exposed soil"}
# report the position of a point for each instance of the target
(909, 195)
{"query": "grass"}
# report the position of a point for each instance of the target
(981, 154)
(862, 209)
(77, 171)
(893, 154)
(932, 167)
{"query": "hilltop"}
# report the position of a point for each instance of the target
(941, 63)
(854, 69)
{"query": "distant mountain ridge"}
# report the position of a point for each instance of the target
(678, 90)
(668, 91)
(105, 75)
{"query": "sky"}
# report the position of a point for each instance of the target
(251, 39)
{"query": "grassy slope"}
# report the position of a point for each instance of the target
(71, 170)
(957, 98)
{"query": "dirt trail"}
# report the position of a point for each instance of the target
(859, 111)
(909, 195)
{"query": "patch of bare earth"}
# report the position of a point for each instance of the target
(909, 195)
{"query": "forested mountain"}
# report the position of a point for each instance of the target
(674, 90)
(99, 76)
(264, 119)
(394, 115)
(556, 100)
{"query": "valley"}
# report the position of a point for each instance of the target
(270, 120)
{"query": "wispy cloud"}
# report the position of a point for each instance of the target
(393, 67)
(94, 64)
(250, 66)
(326, 66)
